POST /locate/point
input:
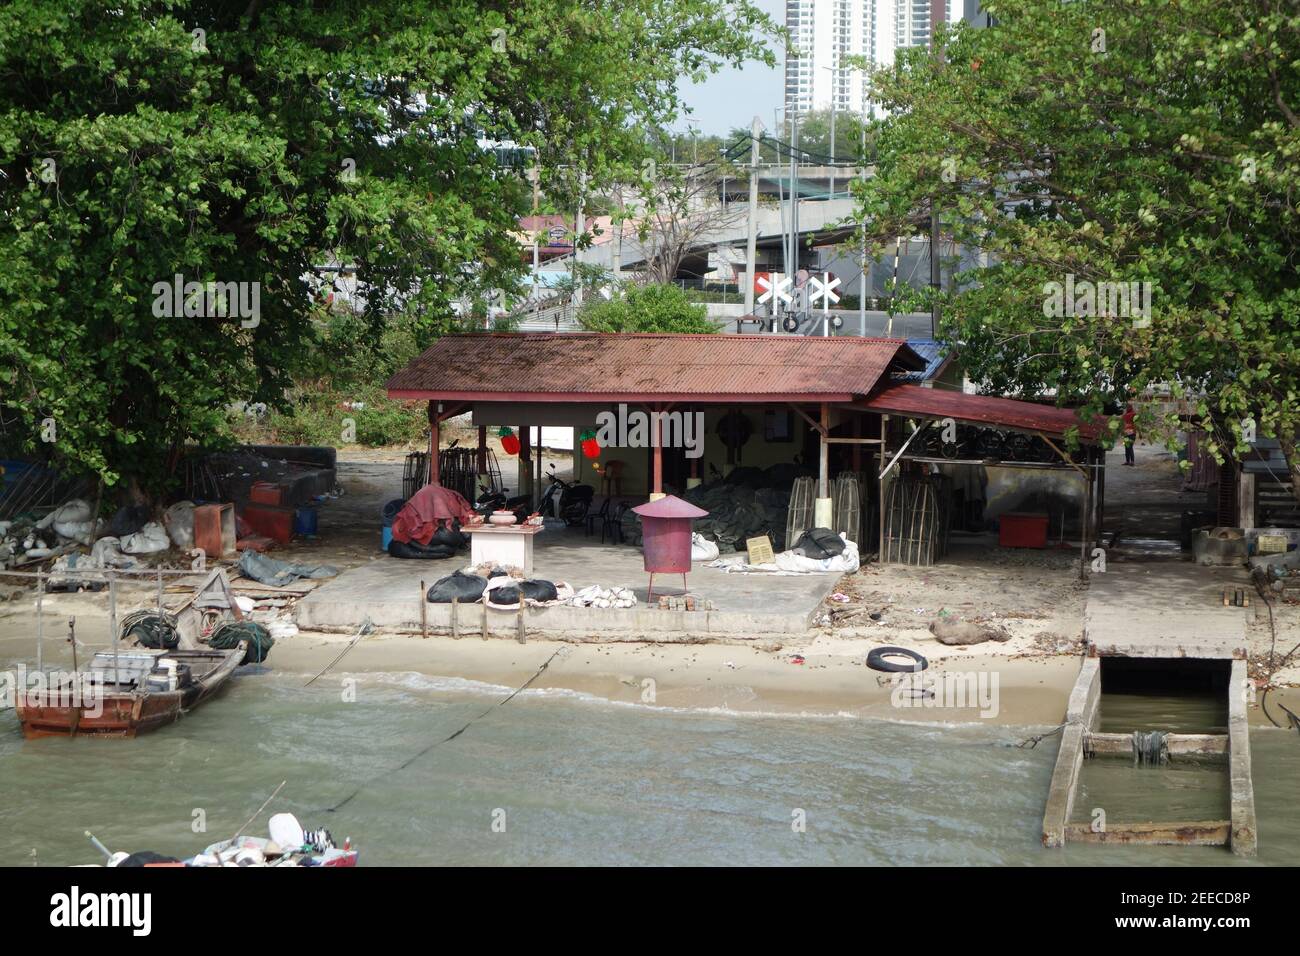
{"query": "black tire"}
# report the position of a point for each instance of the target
(876, 660)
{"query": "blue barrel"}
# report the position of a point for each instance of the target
(304, 521)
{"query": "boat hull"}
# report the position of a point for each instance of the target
(57, 712)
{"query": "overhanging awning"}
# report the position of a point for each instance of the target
(987, 410)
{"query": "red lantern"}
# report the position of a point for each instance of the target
(590, 446)
(509, 441)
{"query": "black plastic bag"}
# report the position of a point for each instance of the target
(819, 544)
(449, 538)
(402, 549)
(462, 587)
(531, 590)
(538, 590)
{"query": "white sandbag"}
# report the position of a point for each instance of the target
(179, 520)
(76, 510)
(107, 554)
(70, 521)
(845, 562)
(150, 539)
(702, 549)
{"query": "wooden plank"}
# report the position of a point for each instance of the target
(1179, 744)
(1080, 719)
(1200, 833)
(1244, 834)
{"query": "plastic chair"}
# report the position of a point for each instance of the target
(611, 479)
(613, 524)
(594, 516)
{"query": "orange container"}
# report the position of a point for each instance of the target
(1021, 530)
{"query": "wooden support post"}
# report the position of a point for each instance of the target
(482, 450)
(1099, 458)
(40, 623)
(884, 453)
(525, 461)
(424, 614)
(435, 426)
(485, 619)
(455, 619)
(520, 630)
(1245, 500)
(1085, 521)
(823, 454)
(658, 440)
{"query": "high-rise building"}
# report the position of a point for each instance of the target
(823, 34)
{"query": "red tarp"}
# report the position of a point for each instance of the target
(428, 509)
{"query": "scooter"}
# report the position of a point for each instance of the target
(566, 501)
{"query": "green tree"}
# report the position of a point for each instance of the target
(646, 308)
(1106, 141)
(254, 142)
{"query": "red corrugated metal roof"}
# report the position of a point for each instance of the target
(979, 410)
(589, 366)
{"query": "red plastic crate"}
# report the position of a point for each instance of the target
(266, 493)
(214, 529)
(270, 521)
(1022, 530)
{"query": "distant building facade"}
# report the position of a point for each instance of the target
(823, 34)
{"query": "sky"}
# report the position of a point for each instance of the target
(733, 97)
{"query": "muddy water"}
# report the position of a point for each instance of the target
(574, 780)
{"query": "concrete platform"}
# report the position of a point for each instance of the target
(387, 590)
(1166, 609)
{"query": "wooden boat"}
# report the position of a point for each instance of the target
(124, 693)
(265, 853)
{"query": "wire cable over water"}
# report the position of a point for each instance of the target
(450, 737)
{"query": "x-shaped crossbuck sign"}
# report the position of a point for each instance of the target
(774, 284)
(823, 289)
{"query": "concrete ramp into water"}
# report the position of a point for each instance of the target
(1158, 612)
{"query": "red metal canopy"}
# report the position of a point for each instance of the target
(590, 366)
(980, 410)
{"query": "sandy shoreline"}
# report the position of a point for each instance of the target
(821, 675)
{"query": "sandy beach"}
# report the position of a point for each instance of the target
(823, 675)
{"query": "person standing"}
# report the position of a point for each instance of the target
(1130, 433)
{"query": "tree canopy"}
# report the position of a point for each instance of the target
(261, 142)
(1090, 145)
(646, 308)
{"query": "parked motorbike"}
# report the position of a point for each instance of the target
(567, 501)
(494, 499)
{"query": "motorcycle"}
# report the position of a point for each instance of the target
(494, 499)
(566, 501)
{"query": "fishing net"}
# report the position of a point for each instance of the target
(1150, 748)
(150, 629)
(226, 636)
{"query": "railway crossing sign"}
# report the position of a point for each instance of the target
(774, 285)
